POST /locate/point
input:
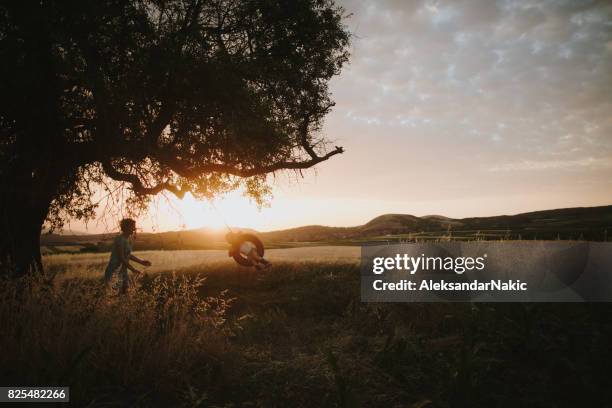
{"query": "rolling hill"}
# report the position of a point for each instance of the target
(589, 223)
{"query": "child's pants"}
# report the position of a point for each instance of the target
(123, 275)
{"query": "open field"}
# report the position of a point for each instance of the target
(590, 224)
(295, 335)
(93, 264)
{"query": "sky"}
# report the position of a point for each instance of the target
(459, 108)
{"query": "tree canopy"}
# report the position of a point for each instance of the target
(197, 96)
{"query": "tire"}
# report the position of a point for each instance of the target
(235, 249)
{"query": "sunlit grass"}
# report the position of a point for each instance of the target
(111, 349)
(93, 264)
(295, 335)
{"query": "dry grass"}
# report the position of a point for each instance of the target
(88, 265)
(93, 264)
(111, 349)
(295, 335)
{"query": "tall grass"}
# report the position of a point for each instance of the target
(81, 265)
(156, 342)
(296, 335)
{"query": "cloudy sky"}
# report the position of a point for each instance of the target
(460, 108)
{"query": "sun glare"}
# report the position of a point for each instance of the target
(233, 209)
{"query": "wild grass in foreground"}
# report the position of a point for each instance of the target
(297, 335)
(148, 346)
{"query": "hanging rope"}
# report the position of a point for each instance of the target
(234, 251)
(212, 203)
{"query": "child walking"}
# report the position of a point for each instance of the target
(121, 255)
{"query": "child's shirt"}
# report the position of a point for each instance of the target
(114, 261)
(246, 247)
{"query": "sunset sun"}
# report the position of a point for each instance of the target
(234, 209)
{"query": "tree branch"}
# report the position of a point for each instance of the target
(137, 186)
(304, 137)
(195, 171)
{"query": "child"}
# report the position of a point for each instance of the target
(247, 249)
(121, 255)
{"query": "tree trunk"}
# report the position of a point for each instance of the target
(22, 214)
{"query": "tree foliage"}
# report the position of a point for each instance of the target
(197, 96)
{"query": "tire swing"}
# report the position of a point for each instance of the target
(234, 251)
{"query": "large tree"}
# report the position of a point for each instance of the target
(182, 96)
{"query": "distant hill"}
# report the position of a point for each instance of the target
(67, 232)
(589, 223)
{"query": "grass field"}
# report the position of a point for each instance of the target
(90, 265)
(200, 331)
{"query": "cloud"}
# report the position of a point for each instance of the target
(541, 68)
(530, 165)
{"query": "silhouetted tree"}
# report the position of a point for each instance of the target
(183, 96)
